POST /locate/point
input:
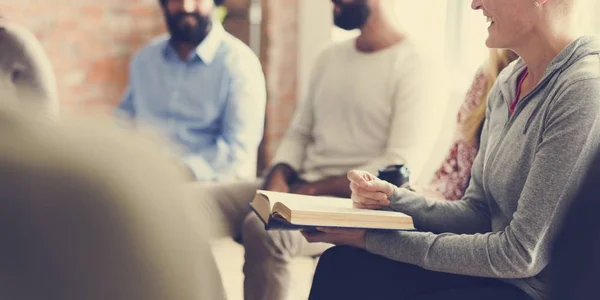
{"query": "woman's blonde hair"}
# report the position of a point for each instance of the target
(498, 60)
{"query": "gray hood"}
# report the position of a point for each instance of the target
(574, 52)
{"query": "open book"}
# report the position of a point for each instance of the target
(284, 211)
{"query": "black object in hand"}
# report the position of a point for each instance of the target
(397, 175)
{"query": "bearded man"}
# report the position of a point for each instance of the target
(202, 89)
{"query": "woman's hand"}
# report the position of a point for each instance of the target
(342, 237)
(368, 191)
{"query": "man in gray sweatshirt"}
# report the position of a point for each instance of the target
(523, 180)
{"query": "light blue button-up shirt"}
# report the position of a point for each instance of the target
(212, 104)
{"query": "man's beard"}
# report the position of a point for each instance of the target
(186, 33)
(352, 15)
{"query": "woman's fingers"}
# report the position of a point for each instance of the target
(367, 203)
(360, 177)
(365, 200)
(379, 186)
(354, 187)
(368, 206)
(378, 196)
(357, 177)
(369, 192)
(366, 181)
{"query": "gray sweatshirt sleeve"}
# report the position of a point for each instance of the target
(521, 250)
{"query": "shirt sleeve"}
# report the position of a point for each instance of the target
(243, 117)
(521, 250)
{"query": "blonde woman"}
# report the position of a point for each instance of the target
(26, 75)
(541, 132)
(451, 179)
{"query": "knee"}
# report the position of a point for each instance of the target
(337, 258)
(257, 241)
(252, 228)
(334, 273)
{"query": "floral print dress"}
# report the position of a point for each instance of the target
(452, 178)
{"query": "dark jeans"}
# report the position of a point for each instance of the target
(350, 273)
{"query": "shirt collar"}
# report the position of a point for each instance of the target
(207, 50)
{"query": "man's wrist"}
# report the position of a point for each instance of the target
(337, 186)
(286, 171)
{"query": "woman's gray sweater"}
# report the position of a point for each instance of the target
(525, 175)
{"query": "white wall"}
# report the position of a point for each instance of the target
(315, 21)
(423, 20)
(589, 16)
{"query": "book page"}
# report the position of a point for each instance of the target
(294, 201)
(332, 212)
(319, 204)
(262, 206)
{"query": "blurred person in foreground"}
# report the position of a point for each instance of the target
(92, 212)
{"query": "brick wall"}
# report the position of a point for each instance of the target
(280, 53)
(90, 43)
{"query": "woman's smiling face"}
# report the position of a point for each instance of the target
(510, 22)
